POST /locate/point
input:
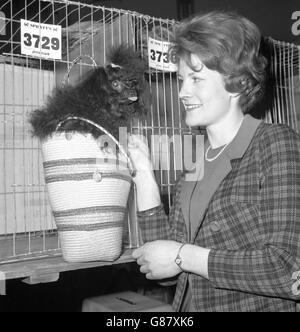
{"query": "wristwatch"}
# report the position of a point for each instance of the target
(178, 259)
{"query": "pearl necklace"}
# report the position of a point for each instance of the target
(214, 158)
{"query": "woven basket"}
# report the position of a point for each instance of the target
(88, 191)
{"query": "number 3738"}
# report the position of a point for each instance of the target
(45, 42)
(164, 57)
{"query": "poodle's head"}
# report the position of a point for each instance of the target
(120, 89)
(111, 96)
(126, 80)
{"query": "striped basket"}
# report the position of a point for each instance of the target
(88, 191)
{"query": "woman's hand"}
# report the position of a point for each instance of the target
(140, 156)
(148, 195)
(157, 259)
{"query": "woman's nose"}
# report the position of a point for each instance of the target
(184, 91)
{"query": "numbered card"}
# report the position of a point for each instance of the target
(41, 40)
(159, 56)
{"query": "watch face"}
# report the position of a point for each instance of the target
(178, 261)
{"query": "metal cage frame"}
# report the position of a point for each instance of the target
(27, 229)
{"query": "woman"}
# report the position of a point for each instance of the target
(233, 236)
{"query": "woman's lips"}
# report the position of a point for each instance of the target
(191, 107)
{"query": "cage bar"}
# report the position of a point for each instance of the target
(27, 227)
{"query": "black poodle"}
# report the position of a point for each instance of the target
(110, 96)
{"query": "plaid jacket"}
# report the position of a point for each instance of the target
(251, 225)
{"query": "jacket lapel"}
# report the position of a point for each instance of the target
(235, 150)
(219, 173)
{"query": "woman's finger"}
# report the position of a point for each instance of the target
(149, 276)
(140, 261)
(137, 253)
(144, 269)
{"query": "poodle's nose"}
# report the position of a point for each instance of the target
(132, 96)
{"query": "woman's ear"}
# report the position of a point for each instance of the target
(235, 98)
(234, 95)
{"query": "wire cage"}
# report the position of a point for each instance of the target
(27, 227)
(283, 91)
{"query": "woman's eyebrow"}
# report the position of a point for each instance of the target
(194, 73)
(189, 74)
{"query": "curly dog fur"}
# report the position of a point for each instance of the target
(110, 96)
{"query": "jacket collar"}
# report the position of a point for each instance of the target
(236, 149)
(241, 141)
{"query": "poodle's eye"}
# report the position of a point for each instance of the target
(116, 85)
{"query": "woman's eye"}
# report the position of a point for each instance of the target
(197, 79)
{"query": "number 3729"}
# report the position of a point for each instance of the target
(45, 42)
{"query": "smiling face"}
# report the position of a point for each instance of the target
(203, 94)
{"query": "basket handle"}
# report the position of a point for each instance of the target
(130, 165)
(80, 57)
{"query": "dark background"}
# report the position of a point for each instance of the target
(272, 17)
(69, 292)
